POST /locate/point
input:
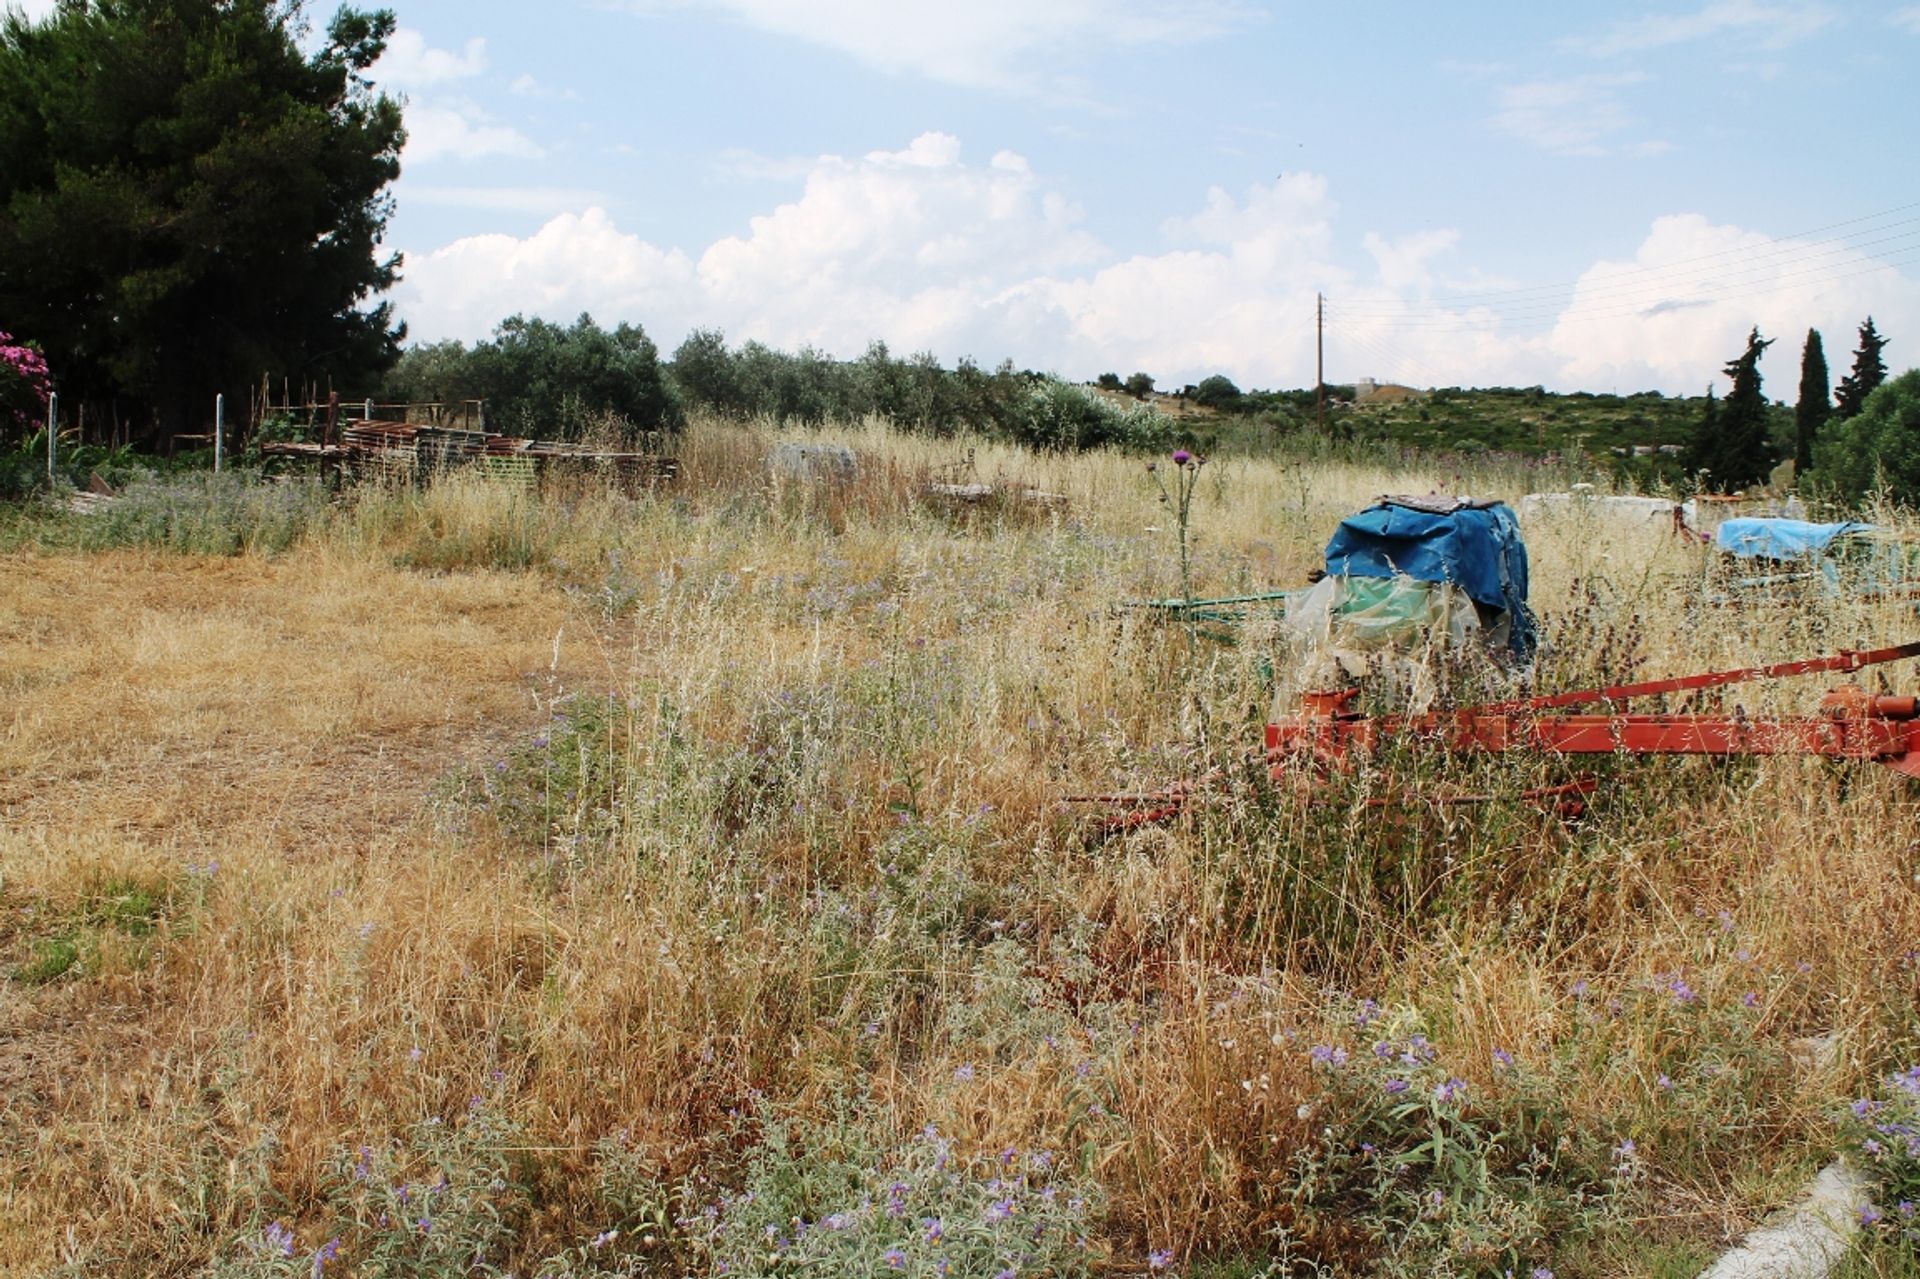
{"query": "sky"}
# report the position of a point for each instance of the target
(1596, 197)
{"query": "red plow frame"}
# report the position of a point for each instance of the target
(1852, 724)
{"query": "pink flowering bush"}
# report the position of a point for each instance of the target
(24, 387)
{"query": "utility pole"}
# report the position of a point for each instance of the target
(1320, 360)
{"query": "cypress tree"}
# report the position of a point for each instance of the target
(1703, 452)
(1869, 371)
(1811, 411)
(1746, 455)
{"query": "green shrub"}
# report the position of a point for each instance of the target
(835, 1199)
(205, 514)
(1883, 1135)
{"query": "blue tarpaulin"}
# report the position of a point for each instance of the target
(1475, 547)
(1775, 539)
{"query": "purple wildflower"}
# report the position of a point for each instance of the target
(326, 1253)
(1452, 1090)
(1681, 992)
(1181, 457)
(1159, 1258)
(1000, 1210)
(1750, 999)
(936, 1229)
(278, 1238)
(1869, 1214)
(1328, 1055)
(1394, 1087)
(894, 1258)
(963, 1074)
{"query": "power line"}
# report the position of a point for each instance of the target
(1419, 320)
(1788, 245)
(1635, 292)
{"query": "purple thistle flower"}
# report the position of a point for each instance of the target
(278, 1239)
(1181, 457)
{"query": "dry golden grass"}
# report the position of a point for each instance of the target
(842, 724)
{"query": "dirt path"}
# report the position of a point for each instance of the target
(296, 705)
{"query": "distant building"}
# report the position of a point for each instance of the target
(1368, 391)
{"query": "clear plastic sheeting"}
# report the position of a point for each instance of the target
(1396, 630)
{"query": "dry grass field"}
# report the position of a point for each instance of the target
(581, 885)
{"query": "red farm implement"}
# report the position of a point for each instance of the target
(1852, 724)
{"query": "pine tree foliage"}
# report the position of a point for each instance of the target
(1869, 371)
(1745, 452)
(188, 200)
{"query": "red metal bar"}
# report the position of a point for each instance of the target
(1845, 660)
(1864, 737)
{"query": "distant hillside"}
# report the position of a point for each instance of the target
(1528, 420)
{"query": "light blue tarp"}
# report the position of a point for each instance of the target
(1777, 539)
(1477, 548)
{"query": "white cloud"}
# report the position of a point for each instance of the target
(992, 44)
(577, 262)
(1766, 26)
(1404, 263)
(926, 250)
(1907, 19)
(1682, 306)
(1577, 115)
(460, 130)
(409, 63)
(34, 9)
(526, 86)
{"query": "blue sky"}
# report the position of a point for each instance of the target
(1594, 197)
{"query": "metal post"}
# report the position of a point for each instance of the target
(1320, 360)
(367, 412)
(53, 429)
(219, 428)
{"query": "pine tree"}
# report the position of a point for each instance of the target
(192, 193)
(1814, 407)
(1746, 454)
(1869, 371)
